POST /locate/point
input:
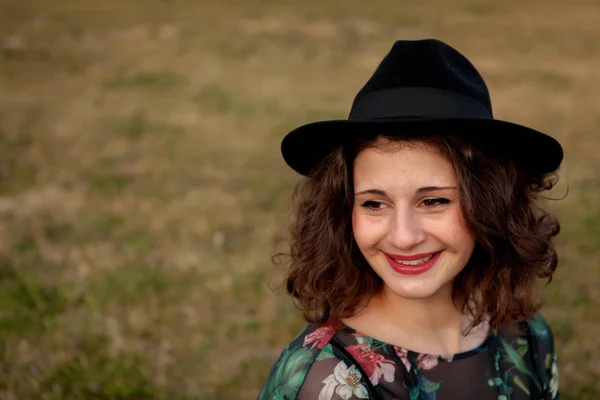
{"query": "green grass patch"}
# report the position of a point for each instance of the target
(126, 286)
(108, 183)
(589, 391)
(25, 305)
(213, 97)
(136, 241)
(16, 170)
(107, 224)
(25, 246)
(134, 127)
(552, 80)
(94, 375)
(147, 80)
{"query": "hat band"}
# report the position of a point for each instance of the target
(416, 102)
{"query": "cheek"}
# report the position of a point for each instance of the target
(365, 232)
(463, 238)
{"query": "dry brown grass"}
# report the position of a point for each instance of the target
(142, 191)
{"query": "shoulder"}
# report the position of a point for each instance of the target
(289, 372)
(545, 352)
(539, 327)
(535, 338)
(542, 337)
(536, 335)
(314, 365)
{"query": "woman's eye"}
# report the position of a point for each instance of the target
(435, 202)
(372, 205)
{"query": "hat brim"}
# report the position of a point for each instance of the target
(533, 151)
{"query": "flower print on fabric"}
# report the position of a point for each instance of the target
(402, 354)
(424, 361)
(319, 337)
(427, 361)
(344, 383)
(375, 365)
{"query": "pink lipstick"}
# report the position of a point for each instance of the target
(412, 269)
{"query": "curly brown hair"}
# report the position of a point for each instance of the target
(502, 207)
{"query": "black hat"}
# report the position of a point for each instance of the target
(428, 87)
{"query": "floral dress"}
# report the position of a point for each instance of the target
(330, 364)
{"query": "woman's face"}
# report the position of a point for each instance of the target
(407, 219)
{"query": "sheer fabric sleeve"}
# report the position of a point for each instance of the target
(331, 378)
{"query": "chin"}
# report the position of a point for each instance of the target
(414, 293)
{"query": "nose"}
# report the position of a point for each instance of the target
(405, 230)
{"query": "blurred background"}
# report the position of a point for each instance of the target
(142, 192)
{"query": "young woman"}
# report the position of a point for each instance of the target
(421, 243)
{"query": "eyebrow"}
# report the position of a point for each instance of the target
(420, 190)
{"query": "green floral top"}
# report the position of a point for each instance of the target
(329, 364)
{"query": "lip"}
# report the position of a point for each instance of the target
(413, 269)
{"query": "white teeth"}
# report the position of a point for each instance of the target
(415, 262)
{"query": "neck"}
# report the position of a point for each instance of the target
(431, 315)
(433, 325)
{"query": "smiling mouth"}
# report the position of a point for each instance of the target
(419, 261)
(413, 265)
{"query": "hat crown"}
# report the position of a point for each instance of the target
(417, 66)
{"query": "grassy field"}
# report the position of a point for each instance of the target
(142, 192)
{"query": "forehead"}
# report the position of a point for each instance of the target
(402, 164)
